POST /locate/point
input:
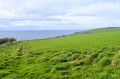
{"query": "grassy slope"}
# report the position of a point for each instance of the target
(73, 57)
(78, 41)
(99, 30)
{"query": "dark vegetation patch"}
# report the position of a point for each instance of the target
(7, 40)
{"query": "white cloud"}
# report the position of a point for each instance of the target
(94, 8)
(94, 15)
(63, 13)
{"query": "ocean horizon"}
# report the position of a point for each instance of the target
(34, 34)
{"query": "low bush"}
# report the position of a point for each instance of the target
(7, 40)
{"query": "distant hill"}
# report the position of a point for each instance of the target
(99, 30)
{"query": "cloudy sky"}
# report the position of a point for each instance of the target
(58, 14)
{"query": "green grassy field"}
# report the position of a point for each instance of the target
(78, 56)
(100, 30)
(78, 41)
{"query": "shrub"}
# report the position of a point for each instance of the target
(7, 40)
(12, 40)
(4, 40)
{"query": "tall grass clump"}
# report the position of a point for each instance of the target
(105, 61)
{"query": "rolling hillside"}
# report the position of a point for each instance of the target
(99, 30)
(95, 40)
(93, 55)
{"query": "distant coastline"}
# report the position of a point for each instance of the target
(36, 34)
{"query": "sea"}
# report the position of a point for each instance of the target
(35, 34)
